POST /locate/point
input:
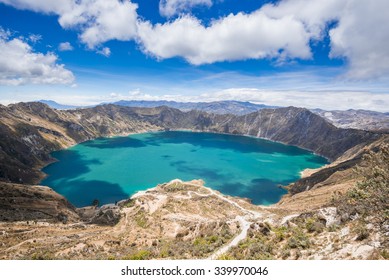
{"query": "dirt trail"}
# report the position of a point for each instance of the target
(244, 225)
(244, 221)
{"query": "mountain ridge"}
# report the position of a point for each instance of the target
(352, 118)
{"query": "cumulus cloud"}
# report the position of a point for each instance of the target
(98, 20)
(65, 46)
(19, 64)
(362, 37)
(169, 8)
(234, 37)
(314, 14)
(283, 31)
(101, 20)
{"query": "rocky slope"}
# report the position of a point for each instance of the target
(31, 203)
(338, 171)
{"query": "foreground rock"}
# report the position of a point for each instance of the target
(34, 203)
(106, 215)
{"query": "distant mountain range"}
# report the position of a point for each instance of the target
(358, 119)
(58, 106)
(217, 107)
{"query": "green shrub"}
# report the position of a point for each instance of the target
(280, 233)
(299, 240)
(140, 255)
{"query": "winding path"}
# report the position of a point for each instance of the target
(244, 221)
(244, 225)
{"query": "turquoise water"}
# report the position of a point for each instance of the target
(112, 169)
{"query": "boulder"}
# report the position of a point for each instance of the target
(330, 215)
(107, 215)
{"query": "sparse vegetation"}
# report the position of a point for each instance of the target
(314, 226)
(370, 196)
(141, 219)
(299, 239)
(140, 255)
(42, 255)
(130, 203)
(361, 231)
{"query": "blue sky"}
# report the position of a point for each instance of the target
(317, 54)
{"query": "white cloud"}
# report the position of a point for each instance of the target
(65, 46)
(235, 37)
(19, 64)
(35, 38)
(314, 14)
(104, 51)
(170, 8)
(282, 31)
(362, 37)
(98, 20)
(101, 20)
(44, 6)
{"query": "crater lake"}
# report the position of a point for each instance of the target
(112, 169)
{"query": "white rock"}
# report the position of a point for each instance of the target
(330, 215)
(363, 252)
(344, 231)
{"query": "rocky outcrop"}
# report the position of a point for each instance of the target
(106, 215)
(340, 171)
(34, 203)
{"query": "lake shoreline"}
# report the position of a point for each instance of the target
(235, 145)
